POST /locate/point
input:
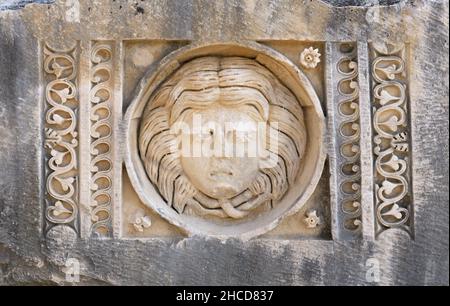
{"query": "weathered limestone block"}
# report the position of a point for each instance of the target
(224, 142)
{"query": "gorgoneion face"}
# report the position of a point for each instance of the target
(224, 158)
(222, 137)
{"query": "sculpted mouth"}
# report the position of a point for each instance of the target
(221, 173)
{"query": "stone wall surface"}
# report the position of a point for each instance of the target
(73, 187)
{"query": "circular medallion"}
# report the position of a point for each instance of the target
(225, 139)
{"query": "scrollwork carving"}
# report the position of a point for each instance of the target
(101, 98)
(61, 137)
(348, 138)
(390, 123)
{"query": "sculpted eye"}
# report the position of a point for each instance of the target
(208, 134)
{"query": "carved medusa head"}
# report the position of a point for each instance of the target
(220, 104)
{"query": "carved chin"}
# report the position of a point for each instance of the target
(222, 190)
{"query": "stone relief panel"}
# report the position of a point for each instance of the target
(218, 145)
(60, 71)
(192, 115)
(393, 198)
(347, 186)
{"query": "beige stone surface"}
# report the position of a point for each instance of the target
(368, 204)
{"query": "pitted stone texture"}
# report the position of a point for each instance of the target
(27, 258)
(18, 4)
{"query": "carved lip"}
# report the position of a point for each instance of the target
(221, 173)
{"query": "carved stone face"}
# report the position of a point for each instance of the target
(227, 172)
(242, 138)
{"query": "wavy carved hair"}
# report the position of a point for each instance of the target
(197, 85)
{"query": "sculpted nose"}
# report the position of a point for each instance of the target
(221, 146)
(220, 168)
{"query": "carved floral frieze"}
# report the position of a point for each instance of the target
(61, 137)
(393, 200)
